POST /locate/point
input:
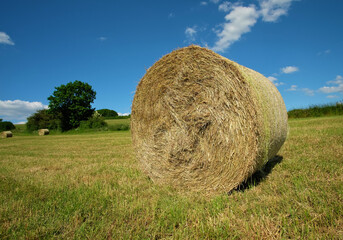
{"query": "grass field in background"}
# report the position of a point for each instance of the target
(113, 125)
(332, 109)
(118, 124)
(90, 186)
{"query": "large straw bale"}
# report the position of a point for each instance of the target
(202, 122)
(6, 134)
(42, 132)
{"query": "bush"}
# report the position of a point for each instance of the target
(95, 122)
(107, 113)
(42, 119)
(123, 117)
(119, 127)
(6, 126)
(317, 111)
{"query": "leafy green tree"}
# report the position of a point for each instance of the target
(107, 113)
(73, 103)
(6, 126)
(43, 119)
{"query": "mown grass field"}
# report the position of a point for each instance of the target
(90, 185)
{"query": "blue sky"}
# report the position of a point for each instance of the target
(297, 44)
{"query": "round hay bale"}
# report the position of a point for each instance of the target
(6, 134)
(42, 132)
(202, 122)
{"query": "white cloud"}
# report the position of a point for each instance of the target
(5, 39)
(190, 33)
(124, 114)
(272, 10)
(332, 96)
(272, 79)
(240, 20)
(327, 51)
(18, 109)
(308, 92)
(102, 39)
(225, 6)
(171, 15)
(289, 69)
(203, 3)
(338, 80)
(293, 88)
(338, 86)
(279, 84)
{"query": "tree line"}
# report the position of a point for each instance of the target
(332, 109)
(70, 108)
(6, 125)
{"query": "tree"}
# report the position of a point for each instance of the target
(107, 113)
(6, 126)
(43, 119)
(73, 103)
(95, 122)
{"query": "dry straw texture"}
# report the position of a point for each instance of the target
(42, 132)
(201, 122)
(6, 134)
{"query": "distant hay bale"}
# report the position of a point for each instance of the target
(42, 132)
(201, 122)
(6, 134)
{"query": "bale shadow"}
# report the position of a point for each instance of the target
(258, 176)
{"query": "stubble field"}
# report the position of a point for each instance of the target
(89, 185)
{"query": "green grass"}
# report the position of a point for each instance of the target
(90, 186)
(112, 122)
(118, 124)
